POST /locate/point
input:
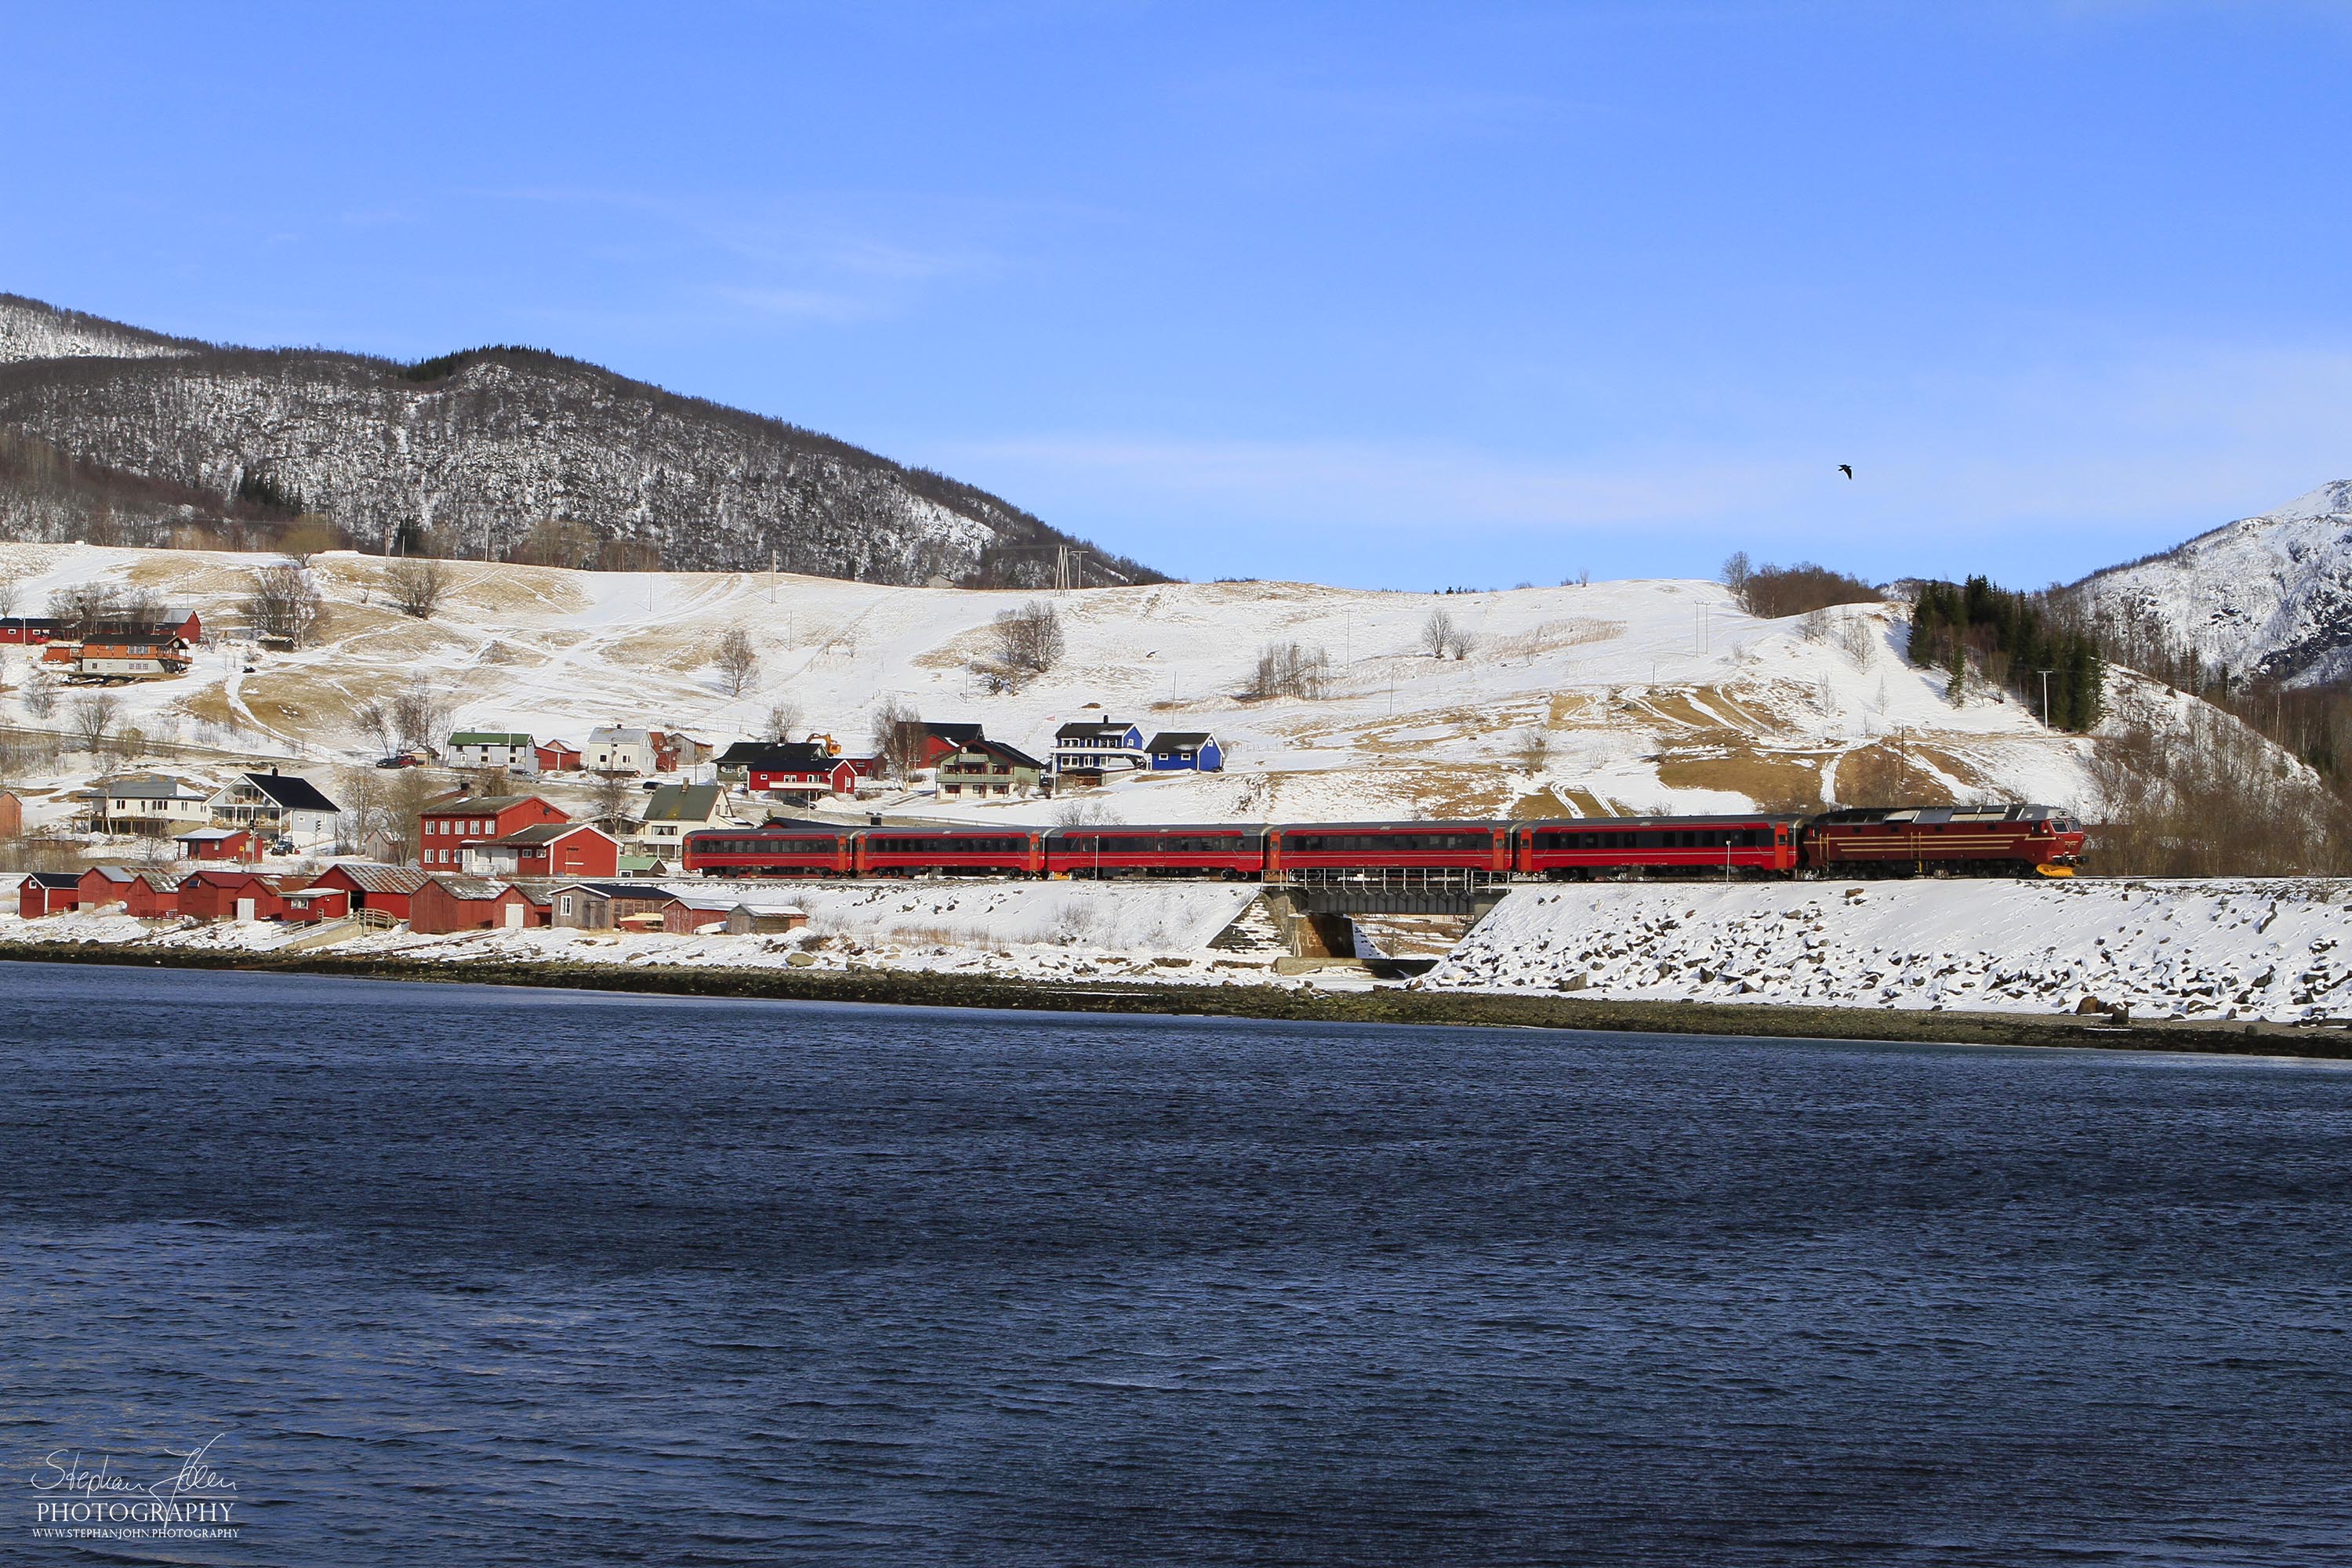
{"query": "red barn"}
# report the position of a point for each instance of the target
(555, 757)
(219, 845)
(220, 893)
(387, 889)
(48, 893)
(468, 903)
(446, 827)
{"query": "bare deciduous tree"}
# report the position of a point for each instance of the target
(284, 601)
(92, 717)
(1288, 670)
(83, 605)
(416, 585)
(783, 717)
(737, 660)
(897, 735)
(1535, 751)
(39, 695)
(1437, 634)
(375, 721)
(7, 596)
(419, 714)
(1029, 642)
(608, 801)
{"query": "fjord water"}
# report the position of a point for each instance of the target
(457, 1275)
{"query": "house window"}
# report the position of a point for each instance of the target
(567, 903)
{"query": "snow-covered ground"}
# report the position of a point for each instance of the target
(1578, 700)
(2278, 950)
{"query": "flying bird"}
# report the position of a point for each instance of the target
(1846, 469)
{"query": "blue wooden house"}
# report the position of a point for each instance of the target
(1186, 751)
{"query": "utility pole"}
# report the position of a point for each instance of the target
(2045, 697)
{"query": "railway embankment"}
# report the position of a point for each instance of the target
(1883, 960)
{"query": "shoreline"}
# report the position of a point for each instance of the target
(911, 988)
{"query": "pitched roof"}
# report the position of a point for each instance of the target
(151, 787)
(955, 733)
(212, 835)
(55, 878)
(475, 803)
(1195, 738)
(781, 756)
(1078, 730)
(371, 877)
(684, 803)
(1002, 752)
(615, 735)
(291, 790)
(543, 833)
(489, 738)
(617, 889)
(468, 888)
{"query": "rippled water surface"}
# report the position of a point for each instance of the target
(467, 1276)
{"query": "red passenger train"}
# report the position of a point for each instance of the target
(2011, 840)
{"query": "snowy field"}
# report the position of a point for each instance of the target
(2280, 950)
(2277, 950)
(1576, 699)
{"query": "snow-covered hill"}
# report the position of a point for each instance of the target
(1633, 696)
(30, 330)
(2270, 594)
(478, 448)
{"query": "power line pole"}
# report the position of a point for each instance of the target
(2045, 697)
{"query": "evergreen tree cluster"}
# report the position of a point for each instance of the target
(2010, 637)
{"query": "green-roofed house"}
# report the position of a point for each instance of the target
(492, 749)
(674, 811)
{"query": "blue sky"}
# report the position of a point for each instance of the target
(1377, 295)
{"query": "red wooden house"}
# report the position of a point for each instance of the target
(219, 845)
(387, 889)
(549, 850)
(48, 893)
(445, 828)
(470, 903)
(555, 757)
(226, 894)
(149, 895)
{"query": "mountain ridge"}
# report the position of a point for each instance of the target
(468, 453)
(2269, 594)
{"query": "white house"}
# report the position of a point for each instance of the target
(275, 802)
(674, 811)
(493, 748)
(613, 749)
(151, 804)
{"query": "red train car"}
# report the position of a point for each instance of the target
(1753, 845)
(951, 852)
(1350, 849)
(779, 849)
(1985, 841)
(1218, 850)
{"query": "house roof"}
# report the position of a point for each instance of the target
(781, 756)
(212, 835)
(542, 833)
(1002, 752)
(470, 889)
(371, 877)
(617, 889)
(162, 881)
(1193, 737)
(467, 805)
(614, 735)
(489, 738)
(150, 787)
(556, 746)
(55, 878)
(1088, 729)
(684, 803)
(114, 873)
(291, 790)
(954, 734)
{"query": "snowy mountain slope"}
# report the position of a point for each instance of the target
(30, 330)
(476, 448)
(1633, 696)
(2270, 594)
